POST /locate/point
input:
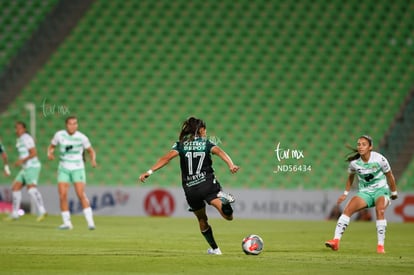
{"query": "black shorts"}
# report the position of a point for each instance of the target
(198, 195)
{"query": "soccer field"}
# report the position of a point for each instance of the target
(127, 245)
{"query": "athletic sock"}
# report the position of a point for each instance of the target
(381, 229)
(37, 198)
(208, 235)
(89, 216)
(66, 218)
(17, 199)
(341, 225)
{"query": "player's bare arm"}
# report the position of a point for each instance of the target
(5, 158)
(32, 154)
(226, 158)
(50, 152)
(92, 155)
(164, 160)
(392, 184)
(348, 185)
(6, 164)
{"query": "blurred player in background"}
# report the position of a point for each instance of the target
(72, 144)
(5, 160)
(375, 181)
(28, 175)
(198, 179)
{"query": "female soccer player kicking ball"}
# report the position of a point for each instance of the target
(198, 180)
(375, 181)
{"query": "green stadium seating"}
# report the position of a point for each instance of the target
(311, 75)
(18, 20)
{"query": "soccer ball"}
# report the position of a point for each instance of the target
(252, 245)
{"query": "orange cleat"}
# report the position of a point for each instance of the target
(333, 244)
(380, 249)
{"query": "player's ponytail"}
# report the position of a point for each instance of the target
(354, 154)
(191, 128)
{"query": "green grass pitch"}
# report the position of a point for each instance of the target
(144, 245)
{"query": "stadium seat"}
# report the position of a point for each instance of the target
(18, 20)
(310, 75)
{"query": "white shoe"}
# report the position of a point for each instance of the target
(212, 251)
(225, 197)
(66, 227)
(91, 227)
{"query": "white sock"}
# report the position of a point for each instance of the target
(381, 228)
(17, 199)
(341, 225)
(89, 216)
(37, 198)
(66, 218)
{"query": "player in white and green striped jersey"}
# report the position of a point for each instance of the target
(376, 188)
(28, 175)
(71, 144)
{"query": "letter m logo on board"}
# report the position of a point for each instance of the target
(159, 202)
